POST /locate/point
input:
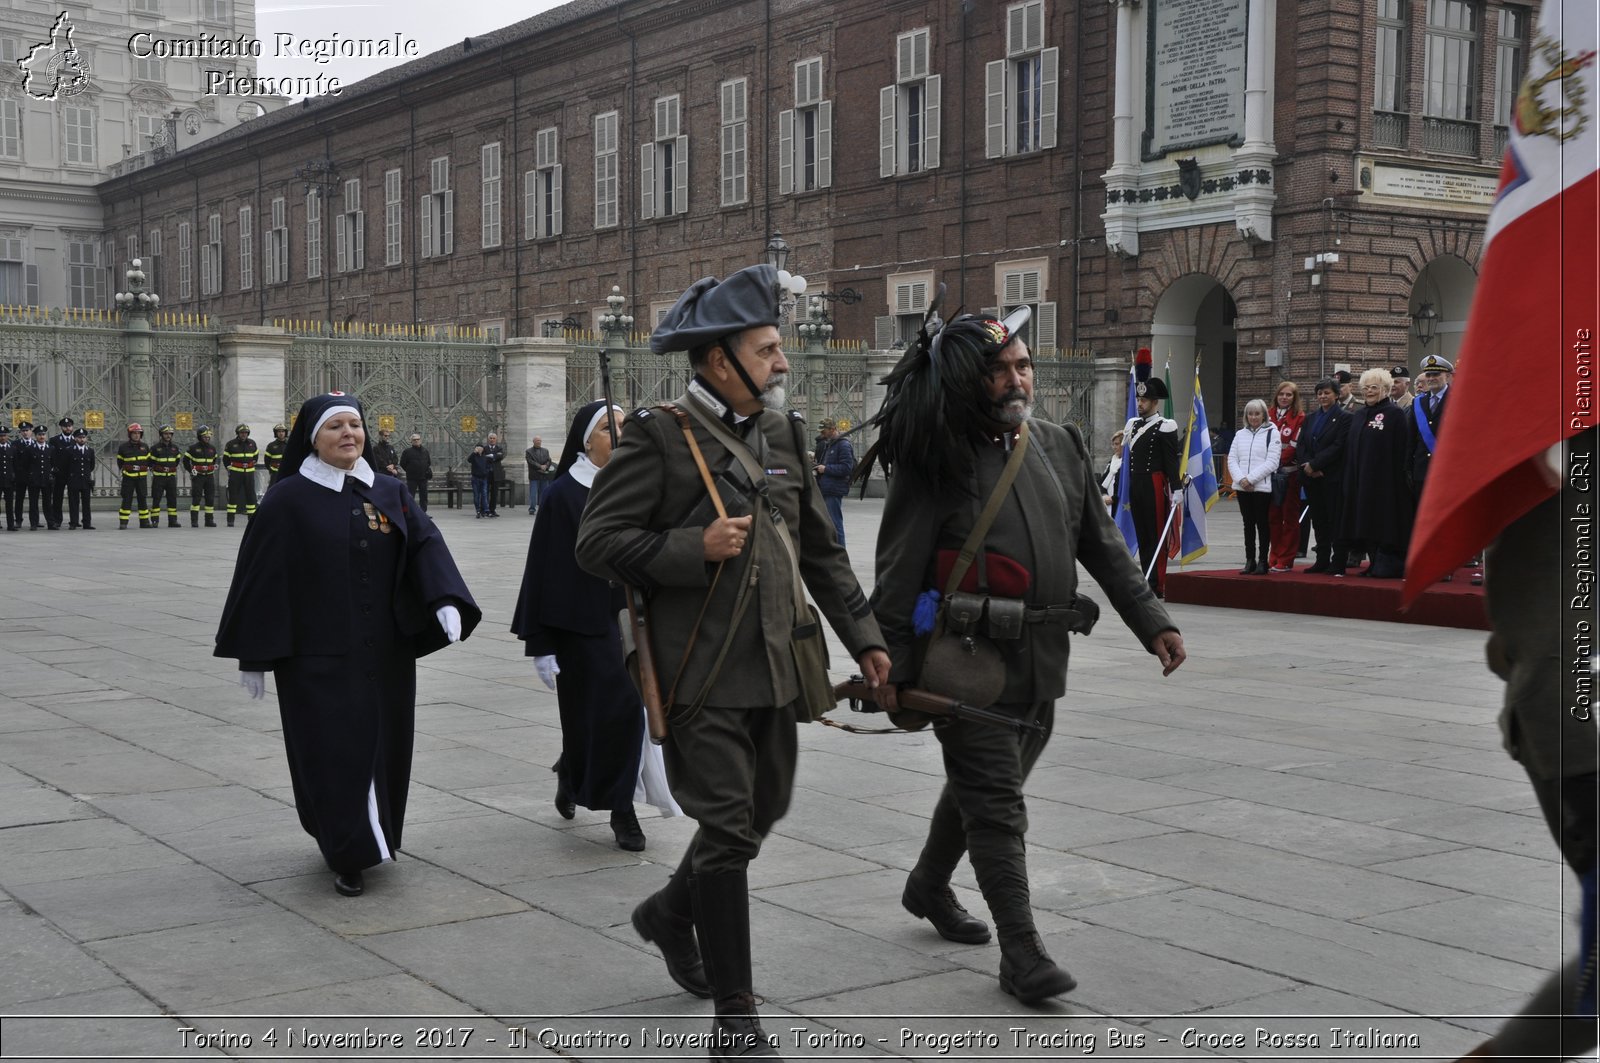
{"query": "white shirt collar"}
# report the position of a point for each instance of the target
(321, 473)
(584, 471)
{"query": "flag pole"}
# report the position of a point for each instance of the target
(1155, 558)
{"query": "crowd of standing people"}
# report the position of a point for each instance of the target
(1348, 473)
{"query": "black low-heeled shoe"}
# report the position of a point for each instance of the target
(625, 826)
(564, 803)
(349, 884)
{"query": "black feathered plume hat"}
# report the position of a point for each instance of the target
(936, 411)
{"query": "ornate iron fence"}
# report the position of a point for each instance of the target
(447, 388)
(1063, 389)
(57, 362)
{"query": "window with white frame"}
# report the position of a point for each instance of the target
(1511, 62)
(1450, 60)
(146, 128)
(185, 262)
(247, 249)
(86, 281)
(350, 230)
(735, 142)
(133, 248)
(214, 10)
(664, 163)
(1024, 284)
(147, 7)
(152, 262)
(541, 187)
(490, 156)
(392, 218)
(908, 301)
(606, 176)
(19, 281)
(1389, 66)
(908, 111)
(805, 134)
(79, 135)
(313, 234)
(10, 50)
(275, 255)
(438, 213)
(211, 257)
(1020, 90)
(10, 129)
(149, 68)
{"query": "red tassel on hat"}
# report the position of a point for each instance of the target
(1142, 365)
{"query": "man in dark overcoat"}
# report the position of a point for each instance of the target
(1427, 417)
(60, 444)
(732, 686)
(41, 473)
(19, 471)
(1320, 456)
(79, 475)
(1051, 519)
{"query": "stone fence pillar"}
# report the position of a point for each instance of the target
(536, 399)
(251, 388)
(1110, 405)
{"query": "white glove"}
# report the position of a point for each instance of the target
(254, 683)
(1177, 497)
(449, 618)
(548, 669)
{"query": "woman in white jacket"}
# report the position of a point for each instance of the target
(1252, 460)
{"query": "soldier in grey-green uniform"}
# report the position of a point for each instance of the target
(650, 523)
(974, 378)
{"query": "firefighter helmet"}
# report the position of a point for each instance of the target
(241, 429)
(203, 430)
(165, 430)
(135, 426)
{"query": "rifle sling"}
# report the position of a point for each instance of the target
(991, 510)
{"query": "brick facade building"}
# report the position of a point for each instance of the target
(1011, 151)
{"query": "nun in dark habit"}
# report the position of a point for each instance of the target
(567, 620)
(340, 585)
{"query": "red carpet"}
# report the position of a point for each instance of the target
(1454, 604)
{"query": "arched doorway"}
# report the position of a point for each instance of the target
(1194, 317)
(1440, 299)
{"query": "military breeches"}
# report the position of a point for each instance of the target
(981, 810)
(203, 493)
(241, 493)
(733, 771)
(134, 492)
(164, 488)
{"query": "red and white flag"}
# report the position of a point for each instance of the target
(1528, 372)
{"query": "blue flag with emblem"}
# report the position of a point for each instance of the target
(1198, 474)
(1124, 513)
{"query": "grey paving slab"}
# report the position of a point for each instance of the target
(1539, 883)
(1303, 793)
(407, 894)
(578, 969)
(53, 852)
(214, 965)
(1071, 785)
(1486, 925)
(1321, 837)
(22, 806)
(1409, 973)
(1454, 787)
(115, 904)
(43, 965)
(500, 849)
(1254, 871)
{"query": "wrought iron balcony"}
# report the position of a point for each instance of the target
(1450, 136)
(1388, 129)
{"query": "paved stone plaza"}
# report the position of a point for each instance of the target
(1310, 826)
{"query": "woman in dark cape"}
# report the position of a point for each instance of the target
(1377, 496)
(567, 620)
(340, 585)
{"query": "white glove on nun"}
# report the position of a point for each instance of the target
(449, 618)
(254, 683)
(548, 669)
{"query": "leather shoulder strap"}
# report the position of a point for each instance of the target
(991, 510)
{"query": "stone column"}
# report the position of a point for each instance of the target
(1109, 405)
(879, 363)
(252, 386)
(1122, 180)
(536, 399)
(1254, 197)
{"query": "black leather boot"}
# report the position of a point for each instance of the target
(938, 905)
(564, 803)
(194, 520)
(1028, 973)
(722, 920)
(625, 827)
(673, 933)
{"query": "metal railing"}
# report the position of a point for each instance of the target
(1388, 129)
(1450, 136)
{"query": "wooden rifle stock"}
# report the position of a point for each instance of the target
(862, 699)
(649, 684)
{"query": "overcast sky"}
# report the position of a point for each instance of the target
(433, 25)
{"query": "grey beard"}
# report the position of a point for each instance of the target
(774, 394)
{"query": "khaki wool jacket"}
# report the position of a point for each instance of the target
(643, 525)
(1052, 520)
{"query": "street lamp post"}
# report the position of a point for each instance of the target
(814, 331)
(136, 306)
(321, 176)
(614, 328)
